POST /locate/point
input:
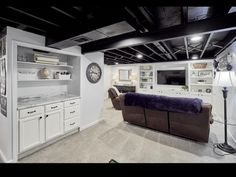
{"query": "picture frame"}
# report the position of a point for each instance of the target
(1, 48)
(205, 73)
(194, 73)
(3, 76)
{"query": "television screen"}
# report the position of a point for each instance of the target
(171, 77)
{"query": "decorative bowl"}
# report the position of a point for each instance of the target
(199, 65)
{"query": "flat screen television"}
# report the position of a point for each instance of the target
(171, 77)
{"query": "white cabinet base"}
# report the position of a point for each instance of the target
(41, 146)
(31, 132)
(53, 124)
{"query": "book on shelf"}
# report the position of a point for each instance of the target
(46, 58)
(46, 62)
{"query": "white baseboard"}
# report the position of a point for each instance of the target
(89, 125)
(3, 158)
(230, 134)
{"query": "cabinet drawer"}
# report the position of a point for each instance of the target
(31, 111)
(71, 102)
(71, 124)
(71, 112)
(54, 106)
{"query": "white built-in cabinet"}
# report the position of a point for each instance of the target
(47, 108)
(40, 124)
(53, 124)
(31, 127)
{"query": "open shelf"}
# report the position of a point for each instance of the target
(41, 64)
(44, 80)
(204, 69)
(201, 84)
(199, 77)
(202, 93)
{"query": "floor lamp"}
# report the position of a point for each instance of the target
(225, 79)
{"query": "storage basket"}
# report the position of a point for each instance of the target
(26, 75)
(199, 65)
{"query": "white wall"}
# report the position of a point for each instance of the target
(107, 80)
(92, 95)
(7, 132)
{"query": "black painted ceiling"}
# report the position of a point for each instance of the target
(66, 26)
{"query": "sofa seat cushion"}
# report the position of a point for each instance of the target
(164, 103)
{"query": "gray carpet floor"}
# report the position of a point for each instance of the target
(114, 139)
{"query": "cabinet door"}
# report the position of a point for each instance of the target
(53, 124)
(31, 132)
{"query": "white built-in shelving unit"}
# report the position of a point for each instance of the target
(146, 77)
(47, 108)
(201, 78)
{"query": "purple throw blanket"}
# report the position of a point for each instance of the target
(164, 103)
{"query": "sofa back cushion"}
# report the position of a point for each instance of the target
(164, 103)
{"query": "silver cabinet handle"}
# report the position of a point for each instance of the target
(72, 123)
(72, 112)
(72, 103)
(53, 107)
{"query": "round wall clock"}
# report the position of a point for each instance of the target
(93, 72)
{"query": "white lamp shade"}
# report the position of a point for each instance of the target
(225, 79)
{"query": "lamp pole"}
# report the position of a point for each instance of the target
(225, 146)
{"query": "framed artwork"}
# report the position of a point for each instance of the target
(1, 48)
(205, 73)
(194, 73)
(4, 105)
(4, 46)
(3, 76)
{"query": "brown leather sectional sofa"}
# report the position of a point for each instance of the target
(192, 126)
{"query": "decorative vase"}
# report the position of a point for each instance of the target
(44, 73)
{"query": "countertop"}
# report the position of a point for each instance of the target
(26, 102)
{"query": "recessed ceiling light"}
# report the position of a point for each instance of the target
(194, 57)
(139, 56)
(196, 38)
(116, 63)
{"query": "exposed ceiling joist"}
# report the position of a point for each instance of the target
(230, 38)
(219, 24)
(33, 16)
(120, 58)
(184, 15)
(122, 51)
(136, 50)
(139, 25)
(162, 49)
(186, 47)
(146, 45)
(20, 23)
(63, 12)
(128, 58)
(169, 49)
(146, 15)
(206, 44)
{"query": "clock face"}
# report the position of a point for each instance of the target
(93, 72)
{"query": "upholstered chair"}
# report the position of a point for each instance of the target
(114, 95)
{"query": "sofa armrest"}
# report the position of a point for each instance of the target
(207, 109)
